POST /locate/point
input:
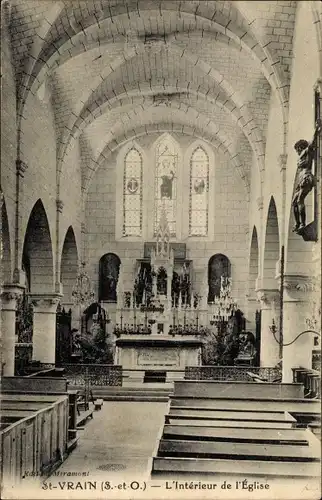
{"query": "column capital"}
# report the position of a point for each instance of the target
(268, 297)
(46, 303)
(10, 294)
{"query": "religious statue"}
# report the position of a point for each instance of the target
(166, 186)
(162, 282)
(306, 179)
(109, 267)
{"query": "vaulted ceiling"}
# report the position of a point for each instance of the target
(117, 69)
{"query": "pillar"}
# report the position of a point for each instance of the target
(44, 328)
(297, 303)
(252, 307)
(9, 297)
(269, 347)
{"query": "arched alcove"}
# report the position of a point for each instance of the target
(218, 266)
(272, 245)
(5, 244)
(109, 267)
(253, 264)
(37, 251)
(69, 265)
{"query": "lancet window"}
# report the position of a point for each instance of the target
(132, 193)
(199, 190)
(166, 183)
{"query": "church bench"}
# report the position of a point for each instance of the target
(258, 404)
(245, 468)
(27, 397)
(237, 451)
(22, 405)
(287, 436)
(209, 421)
(21, 385)
(234, 414)
(241, 390)
(17, 414)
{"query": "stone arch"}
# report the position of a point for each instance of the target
(272, 246)
(218, 266)
(109, 267)
(253, 264)
(6, 263)
(37, 250)
(69, 265)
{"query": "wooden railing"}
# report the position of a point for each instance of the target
(311, 379)
(93, 374)
(233, 373)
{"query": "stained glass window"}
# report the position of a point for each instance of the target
(199, 189)
(132, 194)
(166, 183)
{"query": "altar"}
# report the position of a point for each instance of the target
(157, 353)
(148, 337)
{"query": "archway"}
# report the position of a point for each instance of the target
(269, 344)
(219, 266)
(38, 251)
(272, 246)
(253, 313)
(6, 273)
(253, 264)
(69, 266)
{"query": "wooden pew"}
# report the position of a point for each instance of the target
(240, 451)
(259, 404)
(226, 468)
(249, 435)
(244, 390)
(232, 414)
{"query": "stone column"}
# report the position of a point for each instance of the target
(297, 303)
(9, 298)
(269, 348)
(44, 328)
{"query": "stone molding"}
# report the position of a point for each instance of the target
(297, 287)
(269, 298)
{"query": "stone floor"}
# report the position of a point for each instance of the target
(119, 441)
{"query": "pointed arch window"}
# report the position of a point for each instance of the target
(199, 193)
(132, 193)
(166, 183)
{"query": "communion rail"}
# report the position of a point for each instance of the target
(93, 374)
(233, 373)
